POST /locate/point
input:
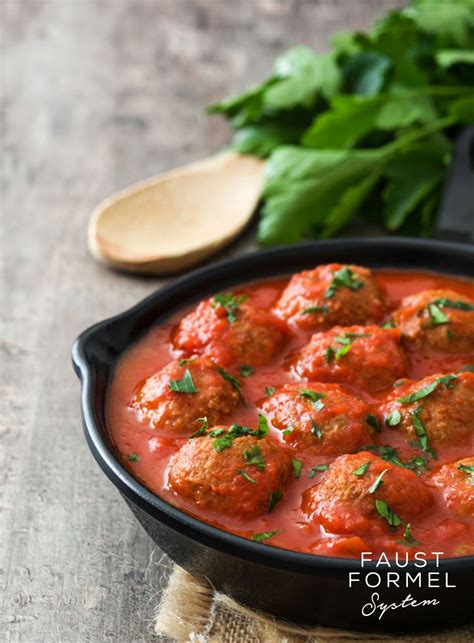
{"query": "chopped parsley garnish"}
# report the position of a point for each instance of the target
(329, 354)
(421, 431)
(230, 303)
(467, 368)
(133, 457)
(459, 305)
(385, 512)
(288, 430)
(377, 482)
(222, 441)
(343, 278)
(254, 457)
(274, 499)
(231, 379)
(394, 418)
(343, 351)
(297, 467)
(245, 475)
(310, 395)
(245, 370)
(316, 430)
(225, 442)
(356, 335)
(399, 383)
(317, 469)
(216, 433)
(407, 537)
(344, 340)
(202, 429)
(445, 380)
(437, 317)
(388, 324)
(269, 390)
(390, 454)
(449, 334)
(468, 469)
(265, 535)
(183, 362)
(360, 471)
(315, 309)
(263, 428)
(373, 422)
(184, 385)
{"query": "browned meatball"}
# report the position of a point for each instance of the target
(245, 479)
(438, 320)
(362, 492)
(457, 481)
(366, 356)
(231, 331)
(331, 294)
(173, 399)
(435, 411)
(321, 418)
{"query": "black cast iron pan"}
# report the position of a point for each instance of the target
(301, 587)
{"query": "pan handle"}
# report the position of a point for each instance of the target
(456, 215)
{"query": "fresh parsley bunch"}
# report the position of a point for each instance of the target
(366, 129)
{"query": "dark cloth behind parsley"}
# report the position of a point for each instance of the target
(366, 129)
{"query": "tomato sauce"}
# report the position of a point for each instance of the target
(439, 530)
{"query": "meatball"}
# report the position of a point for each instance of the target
(229, 330)
(438, 320)
(435, 411)
(366, 356)
(457, 481)
(246, 479)
(331, 294)
(362, 492)
(321, 418)
(174, 412)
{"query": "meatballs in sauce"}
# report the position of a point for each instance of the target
(329, 412)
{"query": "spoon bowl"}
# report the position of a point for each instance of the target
(179, 218)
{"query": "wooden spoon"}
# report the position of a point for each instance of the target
(174, 220)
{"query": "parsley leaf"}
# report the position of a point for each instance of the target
(133, 457)
(265, 535)
(297, 467)
(373, 120)
(245, 370)
(274, 499)
(343, 278)
(457, 305)
(202, 429)
(373, 422)
(230, 303)
(445, 380)
(407, 537)
(254, 457)
(184, 385)
(245, 475)
(360, 471)
(314, 396)
(437, 316)
(385, 512)
(269, 390)
(318, 468)
(377, 482)
(231, 379)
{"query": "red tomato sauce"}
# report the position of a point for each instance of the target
(439, 530)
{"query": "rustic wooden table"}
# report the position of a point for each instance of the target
(98, 94)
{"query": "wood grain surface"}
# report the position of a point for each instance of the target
(97, 94)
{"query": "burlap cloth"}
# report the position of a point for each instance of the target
(192, 611)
